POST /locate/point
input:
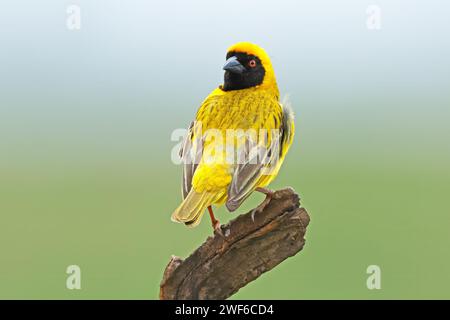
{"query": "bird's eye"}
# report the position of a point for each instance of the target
(252, 63)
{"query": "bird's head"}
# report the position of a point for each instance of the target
(248, 65)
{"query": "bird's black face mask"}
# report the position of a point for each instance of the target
(242, 71)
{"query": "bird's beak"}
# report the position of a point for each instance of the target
(233, 65)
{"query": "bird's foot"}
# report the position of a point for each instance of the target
(269, 195)
(214, 222)
(217, 227)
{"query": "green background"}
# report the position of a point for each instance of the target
(86, 118)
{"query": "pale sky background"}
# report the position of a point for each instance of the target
(165, 56)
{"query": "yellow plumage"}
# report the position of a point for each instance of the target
(214, 179)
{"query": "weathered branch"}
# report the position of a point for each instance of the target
(249, 245)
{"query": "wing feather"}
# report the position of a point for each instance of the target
(190, 154)
(266, 158)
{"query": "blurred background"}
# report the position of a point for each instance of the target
(86, 117)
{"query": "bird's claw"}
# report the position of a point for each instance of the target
(269, 195)
(217, 227)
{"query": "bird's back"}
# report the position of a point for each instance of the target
(240, 109)
(224, 113)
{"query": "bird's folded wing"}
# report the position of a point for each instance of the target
(260, 160)
(190, 154)
(263, 159)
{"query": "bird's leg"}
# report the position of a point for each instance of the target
(269, 194)
(215, 223)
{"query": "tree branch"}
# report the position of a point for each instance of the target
(249, 245)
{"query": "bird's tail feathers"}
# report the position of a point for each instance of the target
(191, 210)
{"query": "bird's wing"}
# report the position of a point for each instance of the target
(190, 154)
(288, 126)
(246, 176)
(261, 159)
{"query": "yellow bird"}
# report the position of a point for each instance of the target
(238, 140)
